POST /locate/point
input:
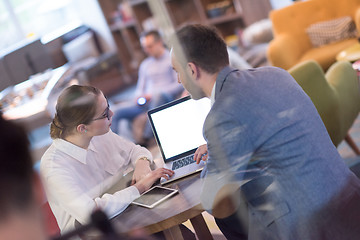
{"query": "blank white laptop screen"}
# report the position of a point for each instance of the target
(179, 126)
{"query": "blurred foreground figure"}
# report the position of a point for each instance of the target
(20, 187)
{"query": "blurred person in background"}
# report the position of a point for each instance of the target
(156, 83)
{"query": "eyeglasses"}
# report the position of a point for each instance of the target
(105, 114)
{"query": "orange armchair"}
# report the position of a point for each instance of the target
(291, 44)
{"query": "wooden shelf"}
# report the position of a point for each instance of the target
(224, 18)
(122, 25)
(136, 2)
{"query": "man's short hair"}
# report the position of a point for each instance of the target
(16, 169)
(203, 46)
(154, 33)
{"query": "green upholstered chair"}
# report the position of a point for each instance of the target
(336, 96)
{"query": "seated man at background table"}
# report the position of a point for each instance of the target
(269, 154)
(156, 84)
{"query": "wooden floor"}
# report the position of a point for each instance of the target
(215, 232)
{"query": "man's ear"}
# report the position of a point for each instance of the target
(193, 71)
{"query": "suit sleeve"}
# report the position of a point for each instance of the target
(229, 150)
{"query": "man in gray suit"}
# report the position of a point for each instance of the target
(272, 171)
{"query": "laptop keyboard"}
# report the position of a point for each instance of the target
(183, 162)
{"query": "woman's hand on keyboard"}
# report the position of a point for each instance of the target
(146, 182)
(201, 153)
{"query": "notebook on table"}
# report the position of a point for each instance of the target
(177, 127)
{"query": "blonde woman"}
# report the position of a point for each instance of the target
(86, 158)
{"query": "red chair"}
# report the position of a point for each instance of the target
(52, 227)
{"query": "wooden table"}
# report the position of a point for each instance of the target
(168, 215)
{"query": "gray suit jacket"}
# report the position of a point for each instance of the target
(264, 134)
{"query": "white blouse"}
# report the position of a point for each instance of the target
(75, 179)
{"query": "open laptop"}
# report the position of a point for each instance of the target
(177, 127)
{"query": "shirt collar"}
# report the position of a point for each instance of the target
(92, 147)
(72, 150)
(212, 96)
